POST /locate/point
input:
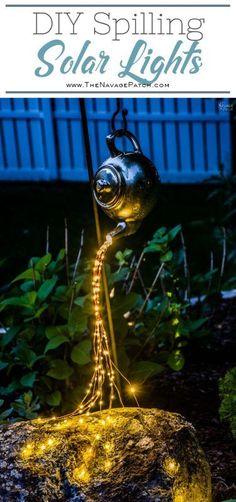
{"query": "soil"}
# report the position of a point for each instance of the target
(193, 392)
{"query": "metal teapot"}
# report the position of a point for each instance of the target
(126, 185)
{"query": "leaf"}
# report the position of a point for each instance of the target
(55, 342)
(52, 267)
(160, 232)
(167, 256)
(61, 291)
(30, 274)
(27, 398)
(172, 233)
(2, 262)
(29, 379)
(38, 313)
(63, 311)
(54, 399)
(46, 288)
(160, 240)
(25, 301)
(213, 194)
(127, 253)
(118, 276)
(61, 255)
(153, 247)
(26, 356)
(77, 321)
(52, 331)
(9, 335)
(119, 256)
(27, 286)
(11, 388)
(122, 304)
(28, 333)
(194, 325)
(3, 365)
(43, 262)
(80, 300)
(145, 369)
(80, 354)
(5, 414)
(123, 256)
(176, 360)
(30, 297)
(1, 402)
(60, 369)
(198, 323)
(229, 500)
(229, 215)
(33, 260)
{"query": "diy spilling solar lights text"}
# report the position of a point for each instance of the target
(144, 64)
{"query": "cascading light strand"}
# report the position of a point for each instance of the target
(104, 375)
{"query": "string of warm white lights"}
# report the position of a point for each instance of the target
(105, 369)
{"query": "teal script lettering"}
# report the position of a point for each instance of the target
(87, 63)
(145, 67)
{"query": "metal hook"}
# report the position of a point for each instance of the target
(124, 113)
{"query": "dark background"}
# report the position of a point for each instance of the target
(27, 210)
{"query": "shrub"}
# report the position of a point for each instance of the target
(227, 389)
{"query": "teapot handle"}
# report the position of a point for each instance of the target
(110, 139)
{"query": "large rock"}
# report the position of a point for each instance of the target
(129, 454)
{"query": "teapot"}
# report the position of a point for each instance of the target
(125, 186)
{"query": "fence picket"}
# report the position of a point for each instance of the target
(41, 139)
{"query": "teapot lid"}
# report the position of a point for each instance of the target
(107, 186)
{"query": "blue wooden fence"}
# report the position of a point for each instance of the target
(41, 139)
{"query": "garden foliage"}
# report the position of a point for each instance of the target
(227, 388)
(45, 359)
(47, 314)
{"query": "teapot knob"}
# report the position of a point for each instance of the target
(107, 186)
(103, 186)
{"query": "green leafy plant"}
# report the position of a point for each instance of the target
(160, 326)
(224, 232)
(227, 390)
(216, 236)
(45, 351)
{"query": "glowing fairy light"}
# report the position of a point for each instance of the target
(81, 474)
(104, 370)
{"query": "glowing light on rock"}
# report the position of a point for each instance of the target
(107, 465)
(154, 449)
(81, 474)
(27, 451)
(171, 466)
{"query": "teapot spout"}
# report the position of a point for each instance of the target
(124, 228)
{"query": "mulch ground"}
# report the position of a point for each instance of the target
(193, 392)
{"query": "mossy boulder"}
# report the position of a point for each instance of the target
(129, 454)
